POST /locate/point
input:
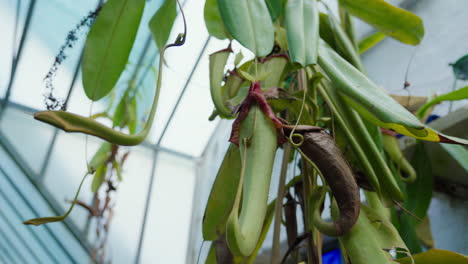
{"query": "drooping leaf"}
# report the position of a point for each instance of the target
(108, 46)
(370, 41)
(222, 194)
(458, 153)
(274, 66)
(99, 177)
(275, 7)
(362, 243)
(52, 219)
(217, 63)
(326, 31)
(213, 21)
(101, 156)
(344, 44)
(419, 192)
(386, 234)
(162, 21)
(459, 94)
(372, 102)
(249, 22)
(302, 29)
(419, 195)
(393, 21)
(436, 256)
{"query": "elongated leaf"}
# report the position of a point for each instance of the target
(52, 219)
(213, 21)
(370, 41)
(458, 153)
(274, 66)
(162, 21)
(275, 7)
(249, 22)
(372, 102)
(217, 63)
(108, 46)
(436, 256)
(344, 43)
(99, 178)
(302, 29)
(393, 21)
(419, 195)
(362, 243)
(459, 94)
(222, 194)
(101, 155)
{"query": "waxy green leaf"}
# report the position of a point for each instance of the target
(222, 194)
(162, 21)
(302, 29)
(99, 178)
(436, 256)
(213, 21)
(275, 7)
(370, 41)
(51, 219)
(459, 94)
(108, 46)
(393, 21)
(249, 22)
(372, 102)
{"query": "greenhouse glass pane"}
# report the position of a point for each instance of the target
(50, 23)
(168, 223)
(30, 204)
(18, 128)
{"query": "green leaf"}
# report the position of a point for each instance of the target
(419, 195)
(274, 66)
(162, 21)
(458, 153)
(52, 219)
(302, 29)
(213, 21)
(419, 192)
(459, 94)
(275, 7)
(108, 46)
(362, 243)
(344, 44)
(370, 41)
(100, 157)
(132, 119)
(326, 31)
(217, 63)
(372, 102)
(249, 22)
(393, 21)
(99, 178)
(222, 194)
(436, 256)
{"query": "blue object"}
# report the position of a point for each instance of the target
(332, 257)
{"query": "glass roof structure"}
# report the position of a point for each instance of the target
(158, 203)
(40, 166)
